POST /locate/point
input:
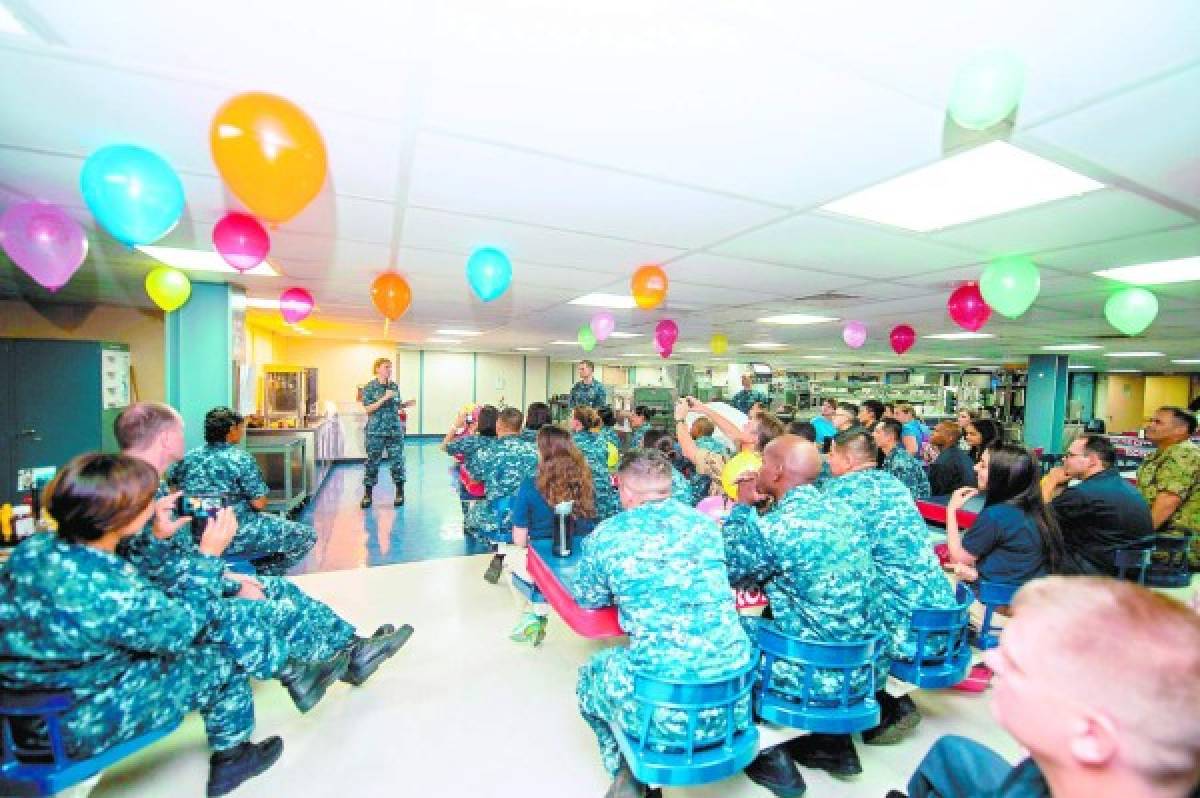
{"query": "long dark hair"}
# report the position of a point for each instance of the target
(488, 414)
(1013, 478)
(990, 432)
(563, 473)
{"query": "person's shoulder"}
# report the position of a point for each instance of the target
(1184, 453)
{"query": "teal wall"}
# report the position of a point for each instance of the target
(200, 353)
(1046, 402)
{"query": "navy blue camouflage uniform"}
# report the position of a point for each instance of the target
(384, 433)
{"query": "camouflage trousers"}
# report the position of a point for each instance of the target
(377, 445)
(605, 693)
(157, 692)
(287, 542)
(263, 635)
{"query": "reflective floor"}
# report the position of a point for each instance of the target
(427, 527)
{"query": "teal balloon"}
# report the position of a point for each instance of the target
(986, 90)
(489, 273)
(1010, 285)
(134, 194)
(587, 338)
(1131, 310)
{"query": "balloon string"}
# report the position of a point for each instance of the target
(385, 326)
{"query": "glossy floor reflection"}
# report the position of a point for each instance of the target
(427, 527)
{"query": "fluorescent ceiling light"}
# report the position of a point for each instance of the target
(1081, 366)
(1071, 347)
(625, 335)
(1134, 354)
(963, 359)
(943, 365)
(796, 318)
(199, 260)
(1124, 371)
(981, 182)
(529, 349)
(693, 350)
(1181, 270)
(959, 336)
(615, 301)
(814, 357)
(458, 332)
(764, 345)
(1188, 360)
(564, 343)
(441, 341)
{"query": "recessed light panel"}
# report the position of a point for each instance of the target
(199, 260)
(1181, 270)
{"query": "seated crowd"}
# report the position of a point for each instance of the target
(137, 612)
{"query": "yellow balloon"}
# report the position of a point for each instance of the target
(613, 456)
(169, 288)
(719, 344)
(270, 154)
(739, 464)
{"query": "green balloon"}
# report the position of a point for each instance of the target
(1010, 285)
(1131, 310)
(587, 338)
(986, 90)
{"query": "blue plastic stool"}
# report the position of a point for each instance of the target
(852, 711)
(243, 562)
(685, 763)
(1132, 564)
(948, 664)
(41, 771)
(992, 595)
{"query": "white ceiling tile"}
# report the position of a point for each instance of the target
(1150, 248)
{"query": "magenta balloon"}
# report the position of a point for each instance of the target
(854, 334)
(44, 241)
(603, 324)
(903, 337)
(241, 240)
(295, 304)
(666, 333)
(714, 507)
(967, 307)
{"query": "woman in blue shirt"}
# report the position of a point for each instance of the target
(1015, 538)
(562, 476)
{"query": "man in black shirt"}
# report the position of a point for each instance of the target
(953, 468)
(1100, 515)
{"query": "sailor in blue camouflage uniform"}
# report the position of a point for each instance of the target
(812, 558)
(75, 616)
(503, 466)
(265, 611)
(588, 392)
(384, 433)
(586, 426)
(897, 461)
(907, 572)
(221, 466)
(537, 415)
(681, 488)
(747, 398)
(662, 564)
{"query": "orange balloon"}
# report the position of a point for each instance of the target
(649, 287)
(391, 295)
(269, 153)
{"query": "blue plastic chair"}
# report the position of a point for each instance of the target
(43, 771)
(942, 656)
(1131, 564)
(852, 710)
(992, 595)
(684, 763)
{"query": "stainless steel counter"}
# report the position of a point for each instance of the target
(323, 446)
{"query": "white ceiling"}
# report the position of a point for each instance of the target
(586, 140)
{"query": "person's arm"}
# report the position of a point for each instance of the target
(910, 444)
(726, 426)
(451, 433)
(958, 553)
(683, 435)
(1054, 483)
(1165, 505)
(601, 396)
(747, 556)
(522, 513)
(590, 583)
(378, 403)
(250, 483)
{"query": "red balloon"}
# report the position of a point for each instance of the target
(241, 240)
(903, 337)
(967, 308)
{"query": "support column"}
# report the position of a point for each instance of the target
(200, 352)
(1046, 402)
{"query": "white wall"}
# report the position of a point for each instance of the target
(449, 382)
(536, 380)
(562, 377)
(499, 380)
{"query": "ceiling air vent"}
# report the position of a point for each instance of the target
(827, 296)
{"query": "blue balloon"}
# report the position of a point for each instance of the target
(134, 194)
(489, 273)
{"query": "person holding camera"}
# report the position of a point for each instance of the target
(384, 430)
(221, 467)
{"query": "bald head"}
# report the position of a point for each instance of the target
(788, 461)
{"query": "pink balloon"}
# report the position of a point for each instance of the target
(854, 334)
(603, 324)
(967, 307)
(44, 241)
(715, 507)
(903, 337)
(241, 240)
(666, 333)
(295, 304)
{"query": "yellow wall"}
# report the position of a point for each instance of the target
(141, 329)
(1124, 405)
(1161, 391)
(342, 365)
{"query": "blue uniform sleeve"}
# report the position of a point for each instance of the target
(601, 396)
(747, 555)
(522, 510)
(983, 536)
(590, 584)
(250, 481)
(368, 394)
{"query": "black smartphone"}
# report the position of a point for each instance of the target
(200, 506)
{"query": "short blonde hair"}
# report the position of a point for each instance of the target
(1131, 653)
(379, 361)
